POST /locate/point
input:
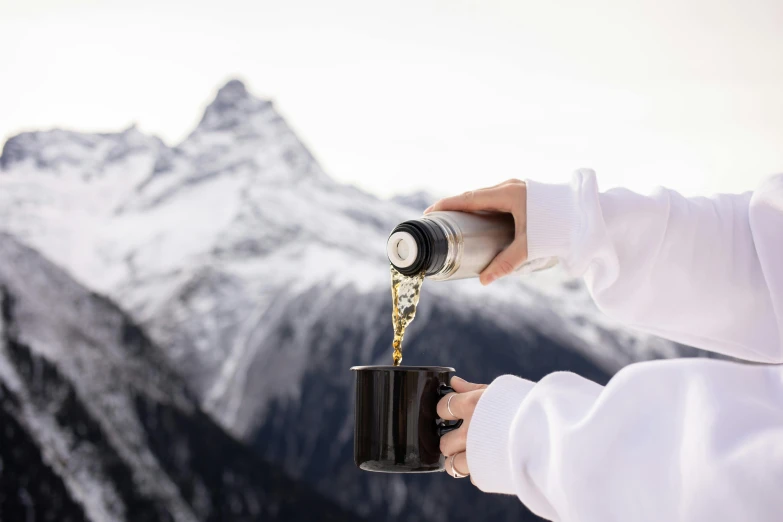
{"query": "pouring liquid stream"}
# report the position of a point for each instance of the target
(405, 297)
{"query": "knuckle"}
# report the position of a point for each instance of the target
(514, 181)
(469, 195)
(518, 190)
(505, 267)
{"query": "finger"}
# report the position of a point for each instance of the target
(505, 262)
(432, 207)
(459, 463)
(454, 441)
(512, 181)
(484, 199)
(488, 198)
(460, 385)
(462, 405)
(444, 405)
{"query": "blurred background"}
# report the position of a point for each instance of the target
(194, 202)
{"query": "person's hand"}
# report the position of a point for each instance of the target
(463, 403)
(509, 196)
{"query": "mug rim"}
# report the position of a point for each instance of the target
(404, 368)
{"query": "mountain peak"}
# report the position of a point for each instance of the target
(232, 90)
(232, 105)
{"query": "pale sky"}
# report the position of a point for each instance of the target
(438, 95)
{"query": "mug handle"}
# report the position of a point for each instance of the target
(446, 426)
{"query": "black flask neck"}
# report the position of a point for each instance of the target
(430, 251)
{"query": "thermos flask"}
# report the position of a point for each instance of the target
(454, 245)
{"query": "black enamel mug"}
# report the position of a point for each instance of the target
(396, 425)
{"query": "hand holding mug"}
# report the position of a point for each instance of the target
(455, 406)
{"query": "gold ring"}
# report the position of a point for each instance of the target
(454, 472)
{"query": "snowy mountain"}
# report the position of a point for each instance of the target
(418, 201)
(94, 426)
(265, 280)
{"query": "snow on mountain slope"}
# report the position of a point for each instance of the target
(418, 200)
(95, 426)
(59, 189)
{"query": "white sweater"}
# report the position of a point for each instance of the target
(686, 440)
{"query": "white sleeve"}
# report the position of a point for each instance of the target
(692, 440)
(707, 272)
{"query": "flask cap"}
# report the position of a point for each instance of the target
(417, 246)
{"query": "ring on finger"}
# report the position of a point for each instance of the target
(454, 472)
(448, 405)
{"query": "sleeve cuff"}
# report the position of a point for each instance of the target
(552, 219)
(488, 436)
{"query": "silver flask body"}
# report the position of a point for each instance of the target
(454, 245)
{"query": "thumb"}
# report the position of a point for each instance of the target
(461, 385)
(506, 262)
